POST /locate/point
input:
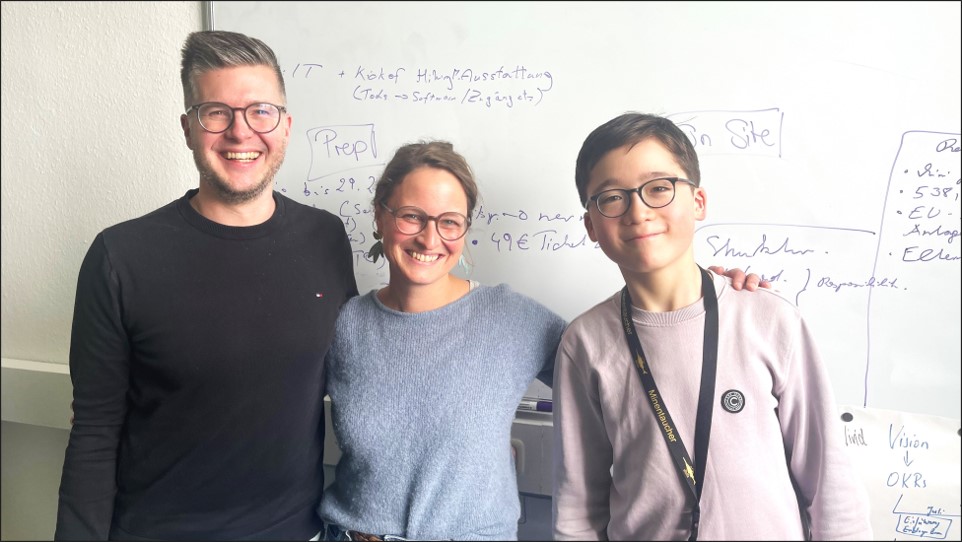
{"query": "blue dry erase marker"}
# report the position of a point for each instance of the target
(537, 405)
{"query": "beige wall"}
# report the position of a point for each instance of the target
(91, 100)
(91, 136)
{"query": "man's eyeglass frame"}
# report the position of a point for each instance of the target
(233, 116)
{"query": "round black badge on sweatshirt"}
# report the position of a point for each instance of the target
(733, 401)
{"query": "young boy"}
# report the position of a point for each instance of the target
(734, 370)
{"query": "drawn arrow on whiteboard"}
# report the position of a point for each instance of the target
(907, 462)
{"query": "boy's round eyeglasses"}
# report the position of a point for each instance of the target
(411, 220)
(656, 193)
(216, 117)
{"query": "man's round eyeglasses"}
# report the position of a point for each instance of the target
(216, 117)
(411, 220)
(655, 193)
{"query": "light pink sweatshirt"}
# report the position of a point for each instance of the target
(613, 476)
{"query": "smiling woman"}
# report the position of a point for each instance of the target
(431, 338)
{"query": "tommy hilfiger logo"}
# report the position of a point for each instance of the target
(733, 401)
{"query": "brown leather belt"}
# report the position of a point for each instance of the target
(357, 535)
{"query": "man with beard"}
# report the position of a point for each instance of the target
(200, 330)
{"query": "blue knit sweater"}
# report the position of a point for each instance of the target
(422, 409)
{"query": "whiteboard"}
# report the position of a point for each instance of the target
(828, 135)
(910, 466)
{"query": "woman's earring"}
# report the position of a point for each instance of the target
(465, 264)
(377, 249)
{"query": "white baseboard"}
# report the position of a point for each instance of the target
(36, 393)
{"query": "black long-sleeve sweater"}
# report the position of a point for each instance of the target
(197, 360)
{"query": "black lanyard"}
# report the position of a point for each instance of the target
(692, 477)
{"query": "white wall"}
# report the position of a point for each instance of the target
(90, 90)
